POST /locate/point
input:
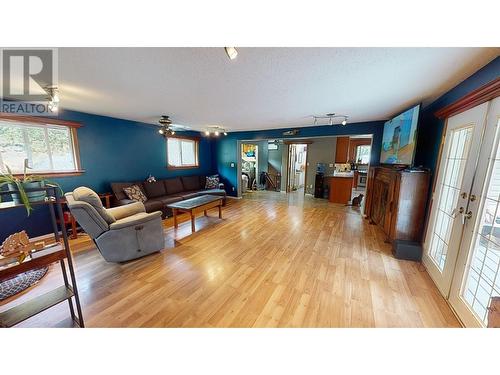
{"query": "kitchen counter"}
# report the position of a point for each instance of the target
(340, 187)
(342, 174)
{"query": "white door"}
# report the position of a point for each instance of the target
(449, 203)
(476, 277)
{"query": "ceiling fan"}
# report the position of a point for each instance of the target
(168, 128)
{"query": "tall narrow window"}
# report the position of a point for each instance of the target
(182, 152)
(49, 148)
(363, 154)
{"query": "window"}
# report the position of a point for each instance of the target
(363, 154)
(50, 148)
(182, 152)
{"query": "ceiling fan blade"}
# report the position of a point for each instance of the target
(180, 127)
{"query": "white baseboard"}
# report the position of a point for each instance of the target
(231, 197)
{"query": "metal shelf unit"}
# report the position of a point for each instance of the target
(59, 252)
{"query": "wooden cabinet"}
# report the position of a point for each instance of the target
(340, 189)
(396, 201)
(342, 150)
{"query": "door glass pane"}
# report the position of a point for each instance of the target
(448, 193)
(482, 280)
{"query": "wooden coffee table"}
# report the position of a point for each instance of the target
(196, 205)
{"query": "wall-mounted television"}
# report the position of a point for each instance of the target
(400, 138)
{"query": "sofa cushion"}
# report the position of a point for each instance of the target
(170, 199)
(220, 192)
(191, 183)
(173, 185)
(135, 193)
(191, 194)
(89, 196)
(118, 187)
(154, 205)
(155, 189)
(203, 181)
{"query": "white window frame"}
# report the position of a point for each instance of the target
(196, 153)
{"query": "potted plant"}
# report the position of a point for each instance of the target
(22, 184)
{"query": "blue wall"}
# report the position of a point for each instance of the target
(431, 128)
(226, 151)
(111, 150)
(120, 150)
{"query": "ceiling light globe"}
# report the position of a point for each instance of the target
(225, 133)
(207, 132)
(216, 133)
(344, 122)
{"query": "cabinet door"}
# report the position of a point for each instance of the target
(342, 150)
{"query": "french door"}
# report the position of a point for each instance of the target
(462, 244)
(477, 276)
(451, 194)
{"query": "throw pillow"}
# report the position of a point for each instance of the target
(212, 182)
(135, 193)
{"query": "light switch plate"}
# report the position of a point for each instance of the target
(232, 165)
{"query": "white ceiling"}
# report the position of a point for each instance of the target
(264, 87)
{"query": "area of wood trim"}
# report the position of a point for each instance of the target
(54, 174)
(76, 149)
(171, 167)
(298, 142)
(40, 120)
(482, 95)
(190, 137)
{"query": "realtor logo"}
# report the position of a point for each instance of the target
(28, 80)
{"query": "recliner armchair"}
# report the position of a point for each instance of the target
(120, 233)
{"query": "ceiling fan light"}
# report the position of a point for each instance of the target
(161, 131)
(344, 122)
(216, 133)
(173, 132)
(225, 133)
(231, 52)
(207, 132)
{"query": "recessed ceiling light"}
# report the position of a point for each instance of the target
(232, 53)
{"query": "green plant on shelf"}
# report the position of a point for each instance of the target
(24, 183)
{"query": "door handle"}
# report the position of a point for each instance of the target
(454, 212)
(466, 216)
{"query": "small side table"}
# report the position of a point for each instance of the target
(71, 220)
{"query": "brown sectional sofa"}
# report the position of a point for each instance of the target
(164, 192)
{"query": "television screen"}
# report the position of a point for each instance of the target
(400, 137)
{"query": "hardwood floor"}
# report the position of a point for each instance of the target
(273, 261)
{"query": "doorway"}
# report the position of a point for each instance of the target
(249, 167)
(462, 244)
(297, 168)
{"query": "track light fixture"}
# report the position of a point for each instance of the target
(231, 52)
(215, 130)
(330, 117)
